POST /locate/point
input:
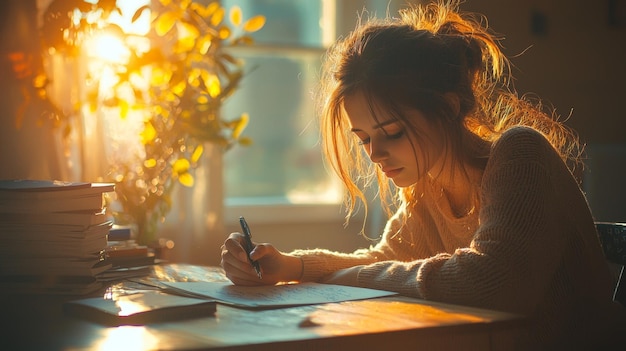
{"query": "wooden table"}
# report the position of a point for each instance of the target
(38, 322)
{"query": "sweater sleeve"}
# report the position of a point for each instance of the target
(318, 263)
(514, 251)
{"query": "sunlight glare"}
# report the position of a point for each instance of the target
(107, 55)
(127, 338)
(309, 192)
(108, 48)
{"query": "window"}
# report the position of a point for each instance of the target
(283, 168)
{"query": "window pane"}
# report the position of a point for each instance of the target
(291, 22)
(284, 160)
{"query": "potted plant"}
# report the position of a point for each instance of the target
(186, 75)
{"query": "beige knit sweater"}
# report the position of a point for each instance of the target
(531, 247)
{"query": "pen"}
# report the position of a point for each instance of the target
(249, 246)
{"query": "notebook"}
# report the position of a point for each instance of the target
(140, 308)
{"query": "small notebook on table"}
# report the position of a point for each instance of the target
(140, 308)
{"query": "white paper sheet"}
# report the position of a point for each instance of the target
(274, 296)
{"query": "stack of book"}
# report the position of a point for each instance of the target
(54, 236)
(127, 258)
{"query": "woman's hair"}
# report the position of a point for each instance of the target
(418, 61)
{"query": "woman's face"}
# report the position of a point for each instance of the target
(401, 155)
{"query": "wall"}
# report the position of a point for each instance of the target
(24, 128)
(574, 59)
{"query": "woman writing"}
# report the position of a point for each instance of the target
(488, 213)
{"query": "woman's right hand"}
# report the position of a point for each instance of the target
(275, 266)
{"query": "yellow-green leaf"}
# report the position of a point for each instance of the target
(198, 8)
(214, 86)
(224, 32)
(187, 37)
(124, 107)
(179, 89)
(150, 163)
(244, 39)
(184, 4)
(165, 23)
(240, 125)
(193, 76)
(159, 77)
(157, 110)
(211, 8)
(180, 166)
(245, 141)
(186, 179)
(202, 99)
(40, 81)
(254, 24)
(204, 44)
(140, 11)
(235, 15)
(217, 17)
(197, 153)
(148, 134)
(206, 75)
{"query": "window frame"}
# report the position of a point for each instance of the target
(338, 17)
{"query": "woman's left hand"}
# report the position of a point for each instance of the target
(347, 276)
